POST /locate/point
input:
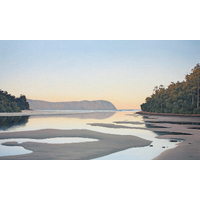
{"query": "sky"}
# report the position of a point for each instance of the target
(123, 72)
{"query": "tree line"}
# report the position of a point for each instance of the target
(9, 103)
(177, 98)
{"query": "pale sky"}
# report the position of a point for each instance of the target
(123, 72)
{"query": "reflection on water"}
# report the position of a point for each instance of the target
(92, 115)
(12, 150)
(7, 123)
(141, 153)
(81, 115)
(58, 140)
(82, 121)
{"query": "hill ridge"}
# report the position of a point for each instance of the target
(71, 105)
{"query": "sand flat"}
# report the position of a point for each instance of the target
(107, 144)
(189, 149)
(170, 127)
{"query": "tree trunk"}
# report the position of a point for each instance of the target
(192, 97)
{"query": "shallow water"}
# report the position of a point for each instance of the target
(17, 150)
(82, 120)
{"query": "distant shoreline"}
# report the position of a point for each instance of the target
(167, 114)
(56, 112)
(71, 105)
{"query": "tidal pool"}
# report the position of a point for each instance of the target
(18, 150)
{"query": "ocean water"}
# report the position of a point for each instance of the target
(82, 120)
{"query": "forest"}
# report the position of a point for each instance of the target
(9, 103)
(178, 98)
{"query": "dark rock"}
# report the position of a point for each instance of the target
(173, 141)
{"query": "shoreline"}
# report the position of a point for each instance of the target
(56, 112)
(167, 114)
(188, 149)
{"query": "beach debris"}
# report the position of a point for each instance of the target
(163, 146)
(173, 140)
(151, 145)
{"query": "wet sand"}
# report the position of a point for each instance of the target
(169, 127)
(107, 144)
(189, 149)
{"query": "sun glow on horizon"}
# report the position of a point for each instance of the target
(122, 72)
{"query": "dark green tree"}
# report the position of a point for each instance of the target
(178, 98)
(9, 103)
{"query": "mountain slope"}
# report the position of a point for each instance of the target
(73, 105)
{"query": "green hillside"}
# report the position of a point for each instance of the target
(178, 98)
(9, 103)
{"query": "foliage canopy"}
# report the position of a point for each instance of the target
(9, 103)
(178, 98)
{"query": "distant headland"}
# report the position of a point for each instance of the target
(10, 103)
(73, 105)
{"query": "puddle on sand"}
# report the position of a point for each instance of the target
(18, 150)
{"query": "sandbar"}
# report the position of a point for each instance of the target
(106, 144)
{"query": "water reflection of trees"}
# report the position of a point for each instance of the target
(10, 122)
